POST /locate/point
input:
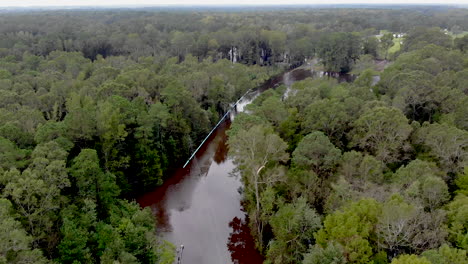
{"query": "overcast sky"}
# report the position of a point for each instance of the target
(212, 2)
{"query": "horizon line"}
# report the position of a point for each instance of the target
(240, 5)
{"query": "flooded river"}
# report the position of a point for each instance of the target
(200, 205)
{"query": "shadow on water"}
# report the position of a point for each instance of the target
(241, 244)
(215, 146)
(196, 205)
(222, 149)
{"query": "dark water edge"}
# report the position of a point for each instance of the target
(200, 207)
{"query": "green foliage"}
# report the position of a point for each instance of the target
(92, 182)
(339, 51)
(371, 46)
(328, 116)
(273, 110)
(461, 115)
(389, 154)
(317, 153)
(386, 43)
(423, 223)
(410, 259)
(462, 182)
(80, 120)
(256, 147)
(461, 43)
(16, 243)
(36, 198)
(421, 36)
(100, 105)
(11, 155)
(447, 144)
(305, 183)
(127, 236)
(293, 226)
(50, 131)
(457, 212)
(366, 76)
(383, 132)
(396, 226)
(73, 245)
(446, 254)
(110, 127)
(352, 228)
(257, 150)
(331, 254)
(414, 171)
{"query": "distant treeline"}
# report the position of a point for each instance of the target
(256, 37)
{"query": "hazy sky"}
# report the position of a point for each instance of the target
(212, 2)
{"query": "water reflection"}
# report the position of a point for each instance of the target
(200, 206)
(241, 243)
(195, 206)
(340, 77)
(221, 152)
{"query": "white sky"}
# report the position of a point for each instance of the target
(213, 2)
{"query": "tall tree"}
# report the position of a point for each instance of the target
(352, 227)
(317, 153)
(383, 132)
(16, 243)
(92, 182)
(331, 254)
(255, 150)
(386, 42)
(457, 210)
(293, 226)
(339, 51)
(449, 145)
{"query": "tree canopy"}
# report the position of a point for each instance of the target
(98, 106)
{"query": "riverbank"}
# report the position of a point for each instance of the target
(199, 206)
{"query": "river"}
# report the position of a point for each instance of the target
(200, 205)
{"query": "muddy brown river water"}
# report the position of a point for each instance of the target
(200, 205)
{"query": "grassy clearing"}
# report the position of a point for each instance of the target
(460, 35)
(383, 32)
(396, 47)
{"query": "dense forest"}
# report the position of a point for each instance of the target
(362, 172)
(98, 106)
